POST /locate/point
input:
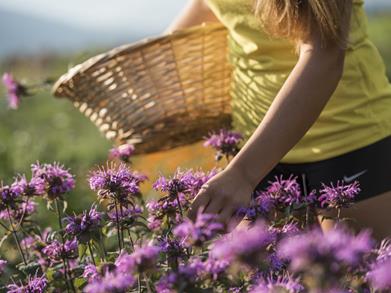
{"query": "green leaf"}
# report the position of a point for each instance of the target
(28, 269)
(140, 224)
(49, 274)
(49, 205)
(65, 206)
(82, 248)
(80, 282)
(4, 238)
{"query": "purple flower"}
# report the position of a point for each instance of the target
(111, 282)
(56, 251)
(35, 243)
(3, 264)
(165, 207)
(83, 225)
(379, 276)
(338, 196)
(20, 211)
(247, 246)
(198, 179)
(58, 180)
(154, 224)
(285, 193)
(276, 264)
(31, 242)
(9, 196)
(142, 259)
(171, 247)
(384, 251)
(333, 253)
(258, 209)
(205, 228)
(215, 267)
(122, 152)
(34, 285)
(188, 182)
(184, 279)
(225, 142)
(126, 216)
(91, 273)
(14, 90)
(182, 187)
(116, 182)
(180, 182)
(36, 186)
(289, 229)
(284, 283)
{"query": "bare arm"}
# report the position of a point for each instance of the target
(295, 108)
(293, 111)
(194, 13)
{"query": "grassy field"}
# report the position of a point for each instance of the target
(49, 129)
(379, 32)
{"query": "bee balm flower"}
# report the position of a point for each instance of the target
(14, 90)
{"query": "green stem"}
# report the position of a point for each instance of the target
(59, 218)
(305, 191)
(4, 226)
(179, 205)
(91, 252)
(102, 244)
(118, 226)
(68, 277)
(307, 216)
(130, 238)
(16, 237)
(65, 273)
(122, 228)
(147, 283)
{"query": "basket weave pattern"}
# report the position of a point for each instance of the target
(157, 93)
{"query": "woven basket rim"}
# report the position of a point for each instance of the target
(80, 68)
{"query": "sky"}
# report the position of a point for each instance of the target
(28, 26)
(102, 14)
(151, 15)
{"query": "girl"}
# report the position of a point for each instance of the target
(311, 97)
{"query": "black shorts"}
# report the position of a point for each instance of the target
(370, 166)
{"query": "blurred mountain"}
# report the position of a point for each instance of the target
(376, 5)
(22, 33)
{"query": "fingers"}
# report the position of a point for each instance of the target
(201, 201)
(234, 222)
(214, 206)
(226, 214)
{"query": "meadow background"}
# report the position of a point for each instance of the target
(40, 40)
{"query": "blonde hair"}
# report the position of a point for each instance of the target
(295, 19)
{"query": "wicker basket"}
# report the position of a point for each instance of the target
(157, 93)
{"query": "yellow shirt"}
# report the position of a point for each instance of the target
(357, 114)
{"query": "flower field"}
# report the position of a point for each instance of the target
(123, 243)
(112, 228)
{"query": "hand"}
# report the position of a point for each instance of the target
(223, 195)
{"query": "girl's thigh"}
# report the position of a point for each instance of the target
(373, 213)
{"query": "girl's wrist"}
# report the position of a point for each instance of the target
(237, 169)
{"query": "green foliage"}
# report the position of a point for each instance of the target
(379, 31)
(48, 129)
